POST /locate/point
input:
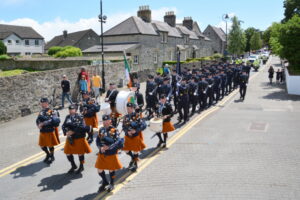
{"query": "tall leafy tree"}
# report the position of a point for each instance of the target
(266, 36)
(236, 38)
(292, 7)
(255, 41)
(248, 34)
(289, 38)
(3, 48)
(275, 45)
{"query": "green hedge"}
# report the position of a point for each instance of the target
(63, 52)
(4, 57)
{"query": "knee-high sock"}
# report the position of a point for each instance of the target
(159, 136)
(104, 180)
(51, 150)
(71, 159)
(165, 137)
(130, 154)
(81, 159)
(45, 149)
(112, 177)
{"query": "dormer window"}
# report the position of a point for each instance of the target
(164, 37)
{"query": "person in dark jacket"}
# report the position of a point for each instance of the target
(75, 130)
(109, 143)
(65, 86)
(151, 96)
(243, 84)
(271, 74)
(47, 121)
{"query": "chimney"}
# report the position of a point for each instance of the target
(144, 13)
(170, 18)
(188, 23)
(65, 34)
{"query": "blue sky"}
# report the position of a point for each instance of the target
(51, 17)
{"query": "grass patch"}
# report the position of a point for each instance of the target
(15, 72)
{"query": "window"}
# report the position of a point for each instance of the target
(136, 59)
(9, 42)
(27, 53)
(17, 42)
(155, 59)
(27, 42)
(171, 55)
(164, 38)
(37, 42)
(186, 39)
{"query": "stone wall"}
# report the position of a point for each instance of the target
(47, 64)
(20, 94)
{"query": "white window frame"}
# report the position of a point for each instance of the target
(186, 39)
(27, 54)
(38, 41)
(171, 55)
(135, 59)
(164, 37)
(155, 58)
(9, 42)
(18, 42)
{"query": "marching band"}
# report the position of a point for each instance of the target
(194, 90)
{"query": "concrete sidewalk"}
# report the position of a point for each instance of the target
(245, 150)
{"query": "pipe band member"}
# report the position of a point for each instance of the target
(133, 125)
(48, 121)
(110, 98)
(151, 96)
(89, 108)
(75, 130)
(139, 99)
(109, 143)
(165, 111)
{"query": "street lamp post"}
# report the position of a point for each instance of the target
(225, 18)
(102, 19)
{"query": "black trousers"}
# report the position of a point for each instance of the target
(175, 100)
(193, 102)
(243, 90)
(229, 87)
(216, 94)
(222, 91)
(210, 96)
(202, 98)
(183, 109)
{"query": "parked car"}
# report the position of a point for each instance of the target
(252, 58)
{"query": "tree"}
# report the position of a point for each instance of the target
(236, 38)
(275, 45)
(292, 7)
(266, 36)
(3, 48)
(248, 33)
(255, 41)
(289, 38)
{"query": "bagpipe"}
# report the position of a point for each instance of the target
(112, 141)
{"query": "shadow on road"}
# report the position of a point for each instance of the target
(280, 95)
(29, 170)
(58, 181)
(87, 197)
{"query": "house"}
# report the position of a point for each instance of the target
(218, 38)
(81, 39)
(150, 42)
(21, 40)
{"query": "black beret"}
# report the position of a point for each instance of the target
(162, 96)
(44, 100)
(166, 78)
(84, 92)
(150, 76)
(71, 107)
(131, 105)
(112, 84)
(105, 117)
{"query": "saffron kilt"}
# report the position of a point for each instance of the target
(48, 139)
(91, 121)
(108, 162)
(168, 127)
(79, 146)
(134, 143)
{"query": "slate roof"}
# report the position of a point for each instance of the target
(164, 27)
(186, 31)
(219, 32)
(71, 40)
(24, 32)
(132, 25)
(111, 48)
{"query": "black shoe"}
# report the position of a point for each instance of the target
(90, 140)
(72, 170)
(80, 169)
(159, 144)
(46, 160)
(164, 145)
(130, 164)
(134, 167)
(51, 159)
(110, 187)
(102, 187)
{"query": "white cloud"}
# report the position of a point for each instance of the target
(50, 29)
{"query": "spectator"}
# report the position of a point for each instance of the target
(83, 84)
(96, 84)
(271, 73)
(65, 86)
(278, 75)
(282, 76)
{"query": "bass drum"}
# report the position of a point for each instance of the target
(122, 99)
(105, 108)
(156, 125)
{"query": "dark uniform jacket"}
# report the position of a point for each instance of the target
(165, 89)
(112, 95)
(90, 108)
(110, 137)
(50, 119)
(76, 124)
(165, 109)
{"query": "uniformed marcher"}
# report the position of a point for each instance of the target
(217, 86)
(158, 79)
(210, 91)
(133, 125)
(183, 101)
(47, 121)
(89, 108)
(151, 96)
(243, 84)
(223, 78)
(202, 91)
(165, 89)
(229, 81)
(193, 94)
(109, 143)
(139, 99)
(174, 84)
(75, 130)
(165, 111)
(110, 98)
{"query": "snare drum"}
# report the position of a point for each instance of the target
(105, 108)
(156, 125)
